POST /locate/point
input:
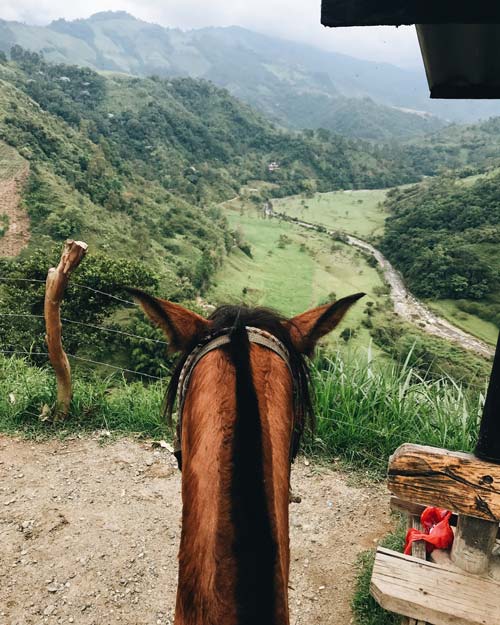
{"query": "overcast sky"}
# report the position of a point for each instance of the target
(298, 20)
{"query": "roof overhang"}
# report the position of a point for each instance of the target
(398, 12)
(460, 43)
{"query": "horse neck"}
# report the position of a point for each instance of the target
(210, 559)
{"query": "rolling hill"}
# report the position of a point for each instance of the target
(134, 164)
(444, 236)
(295, 85)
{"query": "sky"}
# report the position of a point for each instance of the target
(298, 20)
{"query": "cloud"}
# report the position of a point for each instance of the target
(289, 19)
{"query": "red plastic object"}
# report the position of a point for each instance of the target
(437, 531)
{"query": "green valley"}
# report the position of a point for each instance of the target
(443, 235)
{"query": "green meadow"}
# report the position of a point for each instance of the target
(292, 269)
(472, 324)
(358, 213)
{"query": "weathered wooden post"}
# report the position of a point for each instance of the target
(488, 445)
(57, 279)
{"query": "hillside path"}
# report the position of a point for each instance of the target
(89, 534)
(17, 235)
(406, 305)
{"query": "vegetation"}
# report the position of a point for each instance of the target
(323, 270)
(263, 71)
(360, 213)
(364, 412)
(443, 235)
(366, 610)
(99, 403)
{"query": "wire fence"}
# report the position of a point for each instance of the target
(89, 325)
(100, 328)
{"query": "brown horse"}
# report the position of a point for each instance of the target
(243, 391)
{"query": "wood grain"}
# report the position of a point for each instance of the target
(453, 480)
(428, 592)
(57, 279)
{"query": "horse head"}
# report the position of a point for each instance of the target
(242, 388)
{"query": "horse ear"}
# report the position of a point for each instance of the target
(182, 326)
(306, 329)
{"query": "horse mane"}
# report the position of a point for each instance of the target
(254, 543)
(225, 317)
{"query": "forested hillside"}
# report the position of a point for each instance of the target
(444, 236)
(293, 84)
(136, 167)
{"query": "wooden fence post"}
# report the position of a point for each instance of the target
(57, 279)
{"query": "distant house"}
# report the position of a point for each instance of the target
(273, 166)
(65, 79)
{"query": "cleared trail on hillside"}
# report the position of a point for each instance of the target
(406, 305)
(14, 172)
(89, 533)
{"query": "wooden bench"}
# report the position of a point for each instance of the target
(460, 588)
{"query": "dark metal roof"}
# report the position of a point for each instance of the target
(397, 12)
(460, 43)
(461, 60)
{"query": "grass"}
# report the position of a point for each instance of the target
(10, 162)
(472, 324)
(99, 403)
(364, 411)
(366, 610)
(355, 212)
(305, 270)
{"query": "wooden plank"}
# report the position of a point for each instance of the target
(449, 479)
(423, 590)
(418, 546)
(418, 550)
(411, 508)
(473, 544)
(406, 507)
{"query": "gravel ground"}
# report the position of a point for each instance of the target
(89, 534)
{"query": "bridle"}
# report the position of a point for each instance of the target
(211, 343)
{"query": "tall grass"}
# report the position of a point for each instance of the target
(109, 403)
(365, 412)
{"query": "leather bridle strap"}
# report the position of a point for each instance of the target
(255, 335)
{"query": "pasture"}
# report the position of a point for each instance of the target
(360, 213)
(292, 269)
(472, 324)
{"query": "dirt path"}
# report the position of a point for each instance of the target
(89, 535)
(407, 306)
(13, 175)
(411, 309)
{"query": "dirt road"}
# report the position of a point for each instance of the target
(411, 309)
(13, 175)
(89, 535)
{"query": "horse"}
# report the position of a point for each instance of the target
(242, 382)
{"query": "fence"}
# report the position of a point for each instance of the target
(55, 285)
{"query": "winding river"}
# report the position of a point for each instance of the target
(406, 305)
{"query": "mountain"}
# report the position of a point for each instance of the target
(444, 236)
(295, 85)
(150, 158)
(136, 167)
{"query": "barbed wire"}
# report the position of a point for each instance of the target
(88, 325)
(71, 284)
(94, 362)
